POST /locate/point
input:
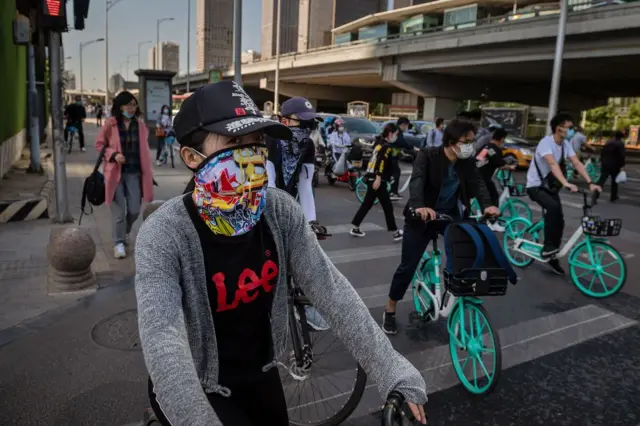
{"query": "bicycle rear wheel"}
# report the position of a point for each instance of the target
(515, 208)
(361, 190)
(475, 348)
(320, 393)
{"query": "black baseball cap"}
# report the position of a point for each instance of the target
(301, 107)
(224, 108)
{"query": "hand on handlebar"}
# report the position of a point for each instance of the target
(426, 213)
(594, 187)
(492, 211)
(393, 410)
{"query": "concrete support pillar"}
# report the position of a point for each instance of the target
(439, 107)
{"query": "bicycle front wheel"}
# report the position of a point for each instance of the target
(597, 269)
(515, 208)
(475, 348)
(326, 390)
(361, 190)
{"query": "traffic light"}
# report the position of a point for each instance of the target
(53, 15)
(80, 13)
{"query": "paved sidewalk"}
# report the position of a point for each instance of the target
(23, 262)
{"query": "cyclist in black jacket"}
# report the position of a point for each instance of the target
(443, 180)
(378, 175)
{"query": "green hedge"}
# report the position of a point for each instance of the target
(13, 76)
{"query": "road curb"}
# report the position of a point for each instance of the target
(31, 208)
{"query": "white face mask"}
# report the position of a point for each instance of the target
(393, 138)
(466, 151)
(341, 129)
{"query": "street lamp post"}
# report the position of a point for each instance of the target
(129, 57)
(108, 5)
(557, 63)
(139, 46)
(82, 46)
(237, 41)
(188, 42)
(276, 90)
(158, 22)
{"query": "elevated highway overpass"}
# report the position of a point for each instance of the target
(498, 61)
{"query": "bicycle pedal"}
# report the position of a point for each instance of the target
(418, 317)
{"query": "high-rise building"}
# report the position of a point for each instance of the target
(69, 79)
(214, 34)
(249, 56)
(288, 27)
(318, 17)
(116, 83)
(169, 57)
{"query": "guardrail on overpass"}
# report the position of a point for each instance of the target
(390, 45)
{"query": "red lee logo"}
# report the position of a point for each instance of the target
(249, 284)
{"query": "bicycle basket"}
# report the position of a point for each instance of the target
(477, 282)
(518, 190)
(597, 227)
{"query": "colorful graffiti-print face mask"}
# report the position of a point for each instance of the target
(231, 188)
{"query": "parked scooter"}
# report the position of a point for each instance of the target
(351, 168)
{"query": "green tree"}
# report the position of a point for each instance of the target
(599, 119)
(631, 119)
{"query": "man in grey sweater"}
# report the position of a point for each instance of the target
(211, 279)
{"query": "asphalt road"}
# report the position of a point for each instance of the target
(567, 359)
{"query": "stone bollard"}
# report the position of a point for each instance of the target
(151, 207)
(71, 251)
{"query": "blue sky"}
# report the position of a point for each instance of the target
(134, 21)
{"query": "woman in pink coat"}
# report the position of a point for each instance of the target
(127, 167)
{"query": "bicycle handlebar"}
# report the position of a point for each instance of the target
(391, 413)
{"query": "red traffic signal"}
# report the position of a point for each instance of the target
(53, 14)
(53, 8)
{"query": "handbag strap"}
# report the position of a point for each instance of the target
(560, 164)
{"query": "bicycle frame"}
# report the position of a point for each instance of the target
(432, 266)
(533, 249)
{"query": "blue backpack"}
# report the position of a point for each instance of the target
(476, 264)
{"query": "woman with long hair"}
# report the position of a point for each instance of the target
(378, 176)
(127, 167)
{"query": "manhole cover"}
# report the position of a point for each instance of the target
(119, 331)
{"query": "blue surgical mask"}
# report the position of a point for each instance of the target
(79, 102)
(127, 114)
(570, 133)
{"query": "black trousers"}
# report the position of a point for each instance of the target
(256, 403)
(387, 207)
(80, 133)
(553, 216)
(395, 173)
(606, 173)
(414, 243)
(159, 146)
(493, 191)
(99, 120)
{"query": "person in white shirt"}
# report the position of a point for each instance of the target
(434, 137)
(545, 179)
(339, 140)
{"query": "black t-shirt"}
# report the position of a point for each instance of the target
(242, 273)
(75, 113)
(492, 161)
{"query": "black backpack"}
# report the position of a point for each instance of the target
(94, 188)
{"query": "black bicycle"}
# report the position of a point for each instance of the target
(395, 412)
(322, 381)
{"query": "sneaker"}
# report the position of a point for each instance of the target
(554, 264)
(158, 163)
(356, 232)
(546, 253)
(389, 323)
(496, 227)
(395, 197)
(83, 149)
(119, 251)
(397, 236)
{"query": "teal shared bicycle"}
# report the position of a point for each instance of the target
(361, 188)
(588, 266)
(510, 207)
(474, 344)
(592, 166)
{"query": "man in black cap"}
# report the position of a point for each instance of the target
(292, 162)
(211, 279)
